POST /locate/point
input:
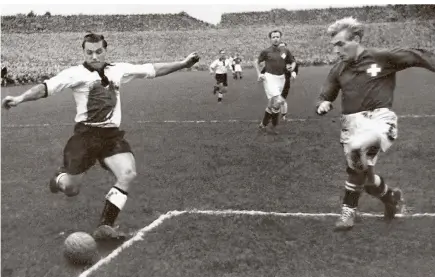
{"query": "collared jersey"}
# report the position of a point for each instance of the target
(368, 83)
(221, 66)
(275, 59)
(96, 105)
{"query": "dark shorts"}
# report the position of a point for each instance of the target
(286, 87)
(89, 144)
(221, 79)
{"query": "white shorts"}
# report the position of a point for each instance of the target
(273, 84)
(365, 134)
(238, 68)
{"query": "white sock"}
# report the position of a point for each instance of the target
(117, 198)
(284, 108)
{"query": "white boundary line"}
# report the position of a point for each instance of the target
(204, 121)
(156, 223)
(139, 236)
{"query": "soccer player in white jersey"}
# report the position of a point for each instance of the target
(219, 68)
(366, 78)
(95, 85)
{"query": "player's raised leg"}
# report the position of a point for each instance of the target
(123, 166)
(391, 197)
(78, 159)
(275, 105)
(362, 154)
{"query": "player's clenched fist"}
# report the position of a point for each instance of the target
(192, 59)
(10, 102)
(324, 107)
(261, 77)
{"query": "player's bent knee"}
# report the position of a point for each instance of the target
(355, 176)
(127, 176)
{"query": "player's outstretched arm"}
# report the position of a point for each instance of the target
(35, 93)
(403, 58)
(167, 68)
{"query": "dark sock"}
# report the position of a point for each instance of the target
(275, 117)
(377, 191)
(266, 118)
(387, 197)
(351, 198)
(110, 211)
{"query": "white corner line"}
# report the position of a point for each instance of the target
(139, 236)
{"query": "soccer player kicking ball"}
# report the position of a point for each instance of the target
(95, 85)
(276, 58)
(366, 78)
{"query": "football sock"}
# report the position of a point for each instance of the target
(351, 195)
(266, 118)
(220, 95)
(115, 202)
(379, 189)
(275, 117)
(284, 108)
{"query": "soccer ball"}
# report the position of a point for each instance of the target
(80, 248)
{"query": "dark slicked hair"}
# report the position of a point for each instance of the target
(93, 38)
(275, 31)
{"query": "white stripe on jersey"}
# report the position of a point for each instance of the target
(96, 105)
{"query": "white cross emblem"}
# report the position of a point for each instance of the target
(374, 70)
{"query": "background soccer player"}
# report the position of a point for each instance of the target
(220, 67)
(237, 67)
(292, 70)
(95, 85)
(366, 78)
(275, 58)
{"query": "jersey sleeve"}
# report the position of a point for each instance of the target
(64, 80)
(129, 71)
(262, 57)
(289, 57)
(331, 86)
(213, 64)
(402, 58)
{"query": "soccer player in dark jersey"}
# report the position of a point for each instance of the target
(237, 67)
(275, 58)
(366, 78)
(289, 73)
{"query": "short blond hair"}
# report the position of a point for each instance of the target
(355, 27)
